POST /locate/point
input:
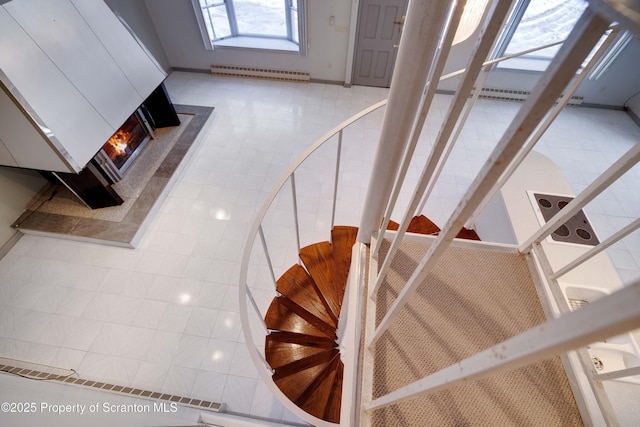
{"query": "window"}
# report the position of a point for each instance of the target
(261, 24)
(535, 23)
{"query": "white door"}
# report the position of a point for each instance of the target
(379, 28)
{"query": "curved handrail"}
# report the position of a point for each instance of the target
(248, 248)
(245, 291)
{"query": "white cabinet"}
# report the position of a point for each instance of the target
(22, 143)
(77, 71)
(123, 47)
(5, 156)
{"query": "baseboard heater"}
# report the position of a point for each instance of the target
(519, 95)
(261, 73)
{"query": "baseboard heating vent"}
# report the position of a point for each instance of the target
(39, 372)
(519, 95)
(261, 73)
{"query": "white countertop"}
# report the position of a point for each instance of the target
(539, 174)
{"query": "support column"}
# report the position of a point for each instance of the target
(417, 49)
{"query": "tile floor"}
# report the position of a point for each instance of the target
(165, 316)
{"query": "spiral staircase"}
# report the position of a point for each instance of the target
(302, 348)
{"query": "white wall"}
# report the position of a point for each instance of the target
(177, 29)
(135, 14)
(634, 104)
(17, 187)
(614, 88)
(178, 32)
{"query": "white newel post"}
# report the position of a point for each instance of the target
(419, 41)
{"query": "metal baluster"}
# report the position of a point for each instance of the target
(266, 254)
(295, 209)
(335, 184)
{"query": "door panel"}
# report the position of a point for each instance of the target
(378, 32)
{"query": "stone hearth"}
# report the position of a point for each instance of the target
(55, 212)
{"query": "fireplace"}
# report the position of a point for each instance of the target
(119, 152)
(93, 185)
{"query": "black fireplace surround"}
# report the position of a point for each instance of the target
(93, 185)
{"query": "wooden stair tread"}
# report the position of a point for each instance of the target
(280, 353)
(285, 315)
(418, 224)
(303, 351)
(332, 410)
(315, 398)
(422, 225)
(298, 286)
(318, 259)
(342, 239)
(307, 340)
(393, 226)
(292, 368)
(295, 384)
(468, 234)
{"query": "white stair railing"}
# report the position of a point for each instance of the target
(564, 99)
(571, 330)
(254, 317)
(254, 327)
(616, 313)
(491, 30)
(587, 32)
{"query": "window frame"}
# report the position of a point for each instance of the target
(294, 41)
(530, 62)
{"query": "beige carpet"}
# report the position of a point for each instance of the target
(474, 299)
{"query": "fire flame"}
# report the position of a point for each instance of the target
(119, 142)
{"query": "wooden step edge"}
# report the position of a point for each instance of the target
(343, 238)
(393, 226)
(280, 353)
(315, 398)
(468, 234)
(345, 233)
(304, 364)
(328, 329)
(306, 323)
(294, 338)
(318, 260)
(420, 224)
(293, 385)
(298, 285)
(332, 411)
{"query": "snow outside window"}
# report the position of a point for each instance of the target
(262, 24)
(535, 23)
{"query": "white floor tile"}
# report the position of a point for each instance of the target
(162, 347)
(175, 318)
(238, 394)
(179, 381)
(150, 375)
(190, 352)
(218, 356)
(201, 322)
(265, 404)
(209, 386)
(150, 314)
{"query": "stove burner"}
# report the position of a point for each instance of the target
(576, 230)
